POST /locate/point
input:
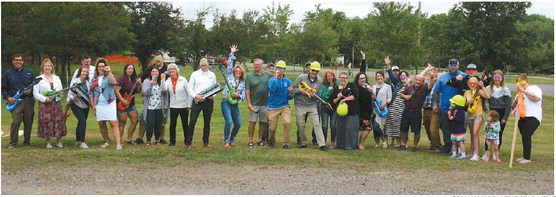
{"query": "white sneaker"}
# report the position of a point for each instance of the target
(59, 145)
(475, 158)
(83, 146)
(524, 161)
(119, 147)
(519, 159)
(48, 145)
(453, 156)
(484, 157)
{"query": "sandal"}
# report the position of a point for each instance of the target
(250, 145)
(105, 145)
(260, 143)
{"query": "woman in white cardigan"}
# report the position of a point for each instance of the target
(51, 118)
(180, 100)
(383, 94)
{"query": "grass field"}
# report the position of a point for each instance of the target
(21, 159)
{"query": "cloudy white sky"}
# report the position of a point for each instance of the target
(351, 8)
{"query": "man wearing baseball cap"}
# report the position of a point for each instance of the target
(442, 93)
(460, 81)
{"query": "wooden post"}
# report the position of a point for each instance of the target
(517, 113)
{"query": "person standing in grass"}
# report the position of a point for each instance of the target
(235, 79)
(78, 99)
(155, 104)
(414, 96)
(280, 92)
(492, 136)
(347, 123)
(328, 116)
(530, 119)
(394, 117)
(431, 119)
(180, 101)
(500, 101)
(14, 80)
(474, 97)
(103, 101)
(199, 81)
(51, 117)
(126, 82)
(456, 117)
(383, 94)
(256, 94)
(306, 105)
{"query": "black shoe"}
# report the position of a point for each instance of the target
(26, 144)
(271, 145)
(302, 146)
(139, 141)
(402, 148)
(323, 148)
(172, 144)
(414, 149)
(162, 141)
(286, 146)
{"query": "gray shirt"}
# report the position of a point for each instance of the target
(302, 99)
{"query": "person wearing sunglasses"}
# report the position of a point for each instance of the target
(280, 92)
(474, 101)
(306, 105)
(442, 93)
(529, 101)
(499, 101)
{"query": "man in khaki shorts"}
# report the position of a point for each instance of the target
(256, 87)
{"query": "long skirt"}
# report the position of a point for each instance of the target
(347, 130)
(51, 120)
(394, 118)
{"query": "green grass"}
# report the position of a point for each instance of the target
(37, 155)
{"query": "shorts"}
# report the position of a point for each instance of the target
(261, 112)
(470, 121)
(458, 137)
(493, 141)
(128, 110)
(413, 118)
(365, 125)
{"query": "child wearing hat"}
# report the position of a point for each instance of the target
(457, 125)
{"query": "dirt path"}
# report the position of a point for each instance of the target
(202, 178)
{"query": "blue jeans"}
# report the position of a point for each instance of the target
(231, 114)
(326, 115)
(445, 127)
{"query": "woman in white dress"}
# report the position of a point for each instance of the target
(103, 102)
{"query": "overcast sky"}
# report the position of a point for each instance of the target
(351, 8)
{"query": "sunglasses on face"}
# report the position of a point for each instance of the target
(453, 65)
(403, 76)
(473, 83)
(497, 78)
(315, 71)
(343, 77)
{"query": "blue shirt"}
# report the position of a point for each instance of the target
(14, 80)
(279, 94)
(446, 91)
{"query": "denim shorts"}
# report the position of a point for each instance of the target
(128, 110)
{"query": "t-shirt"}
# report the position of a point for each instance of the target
(418, 96)
(532, 108)
(479, 105)
(446, 91)
(126, 88)
(492, 133)
(258, 87)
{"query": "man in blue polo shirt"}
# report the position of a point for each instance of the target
(14, 80)
(442, 93)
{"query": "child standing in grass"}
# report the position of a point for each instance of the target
(492, 132)
(457, 125)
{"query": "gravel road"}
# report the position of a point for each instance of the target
(202, 178)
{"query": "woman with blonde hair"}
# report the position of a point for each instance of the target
(51, 118)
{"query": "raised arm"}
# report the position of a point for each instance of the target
(363, 67)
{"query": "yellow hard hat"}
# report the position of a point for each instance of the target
(281, 64)
(458, 100)
(315, 65)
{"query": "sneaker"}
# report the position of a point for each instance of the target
(462, 157)
(302, 146)
(163, 141)
(105, 145)
(519, 159)
(250, 145)
(48, 145)
(414, 149)
(475, 158)
(323, 148)
(486, 159)
(129, 142)
(524, 161)
(119, 147)
(83, 146)
(453, 156)
(498, 160)
(148, 143)
(271, 145)
(402, 148)
(172, 144)
(60, 145)
(385, 145)
(286, 146)
(139, 141)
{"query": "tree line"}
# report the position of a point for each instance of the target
(492, 35)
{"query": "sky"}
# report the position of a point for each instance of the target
(352, 8)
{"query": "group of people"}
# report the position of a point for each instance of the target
(350, 110)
